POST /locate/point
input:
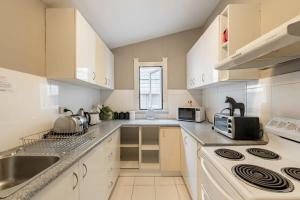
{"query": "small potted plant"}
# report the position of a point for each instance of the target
(105, 113)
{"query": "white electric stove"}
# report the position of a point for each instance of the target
(261, 172)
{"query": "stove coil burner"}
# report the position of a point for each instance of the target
(229, 154)
(292, 172)
(262, 178)
(263, 153)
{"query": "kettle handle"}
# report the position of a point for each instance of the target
(88, 117)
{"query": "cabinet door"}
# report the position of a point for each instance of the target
(85, 50)
(183, 157)
(116, 155)
(210, 58)
(65, 187)
(104, 65)
(169, 145)
(100, 62)
(92, 175)
(190, 154)
(110, 69)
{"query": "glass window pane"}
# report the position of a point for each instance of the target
(150, 82)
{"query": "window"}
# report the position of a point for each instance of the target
(151, 87)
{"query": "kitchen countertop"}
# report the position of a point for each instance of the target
(202, 132)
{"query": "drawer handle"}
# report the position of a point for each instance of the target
(110, 155)
(111, 184)
(76, 177)
(94, 76)
(185, 138)
(86, 170)
(198, 153)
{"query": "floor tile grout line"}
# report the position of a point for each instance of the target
(132, 188)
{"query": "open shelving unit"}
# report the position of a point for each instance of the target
(129, 147)
(140, 147)
(149, 147)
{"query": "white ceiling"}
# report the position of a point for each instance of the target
(123, 22)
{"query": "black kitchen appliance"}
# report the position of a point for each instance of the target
(238, 127)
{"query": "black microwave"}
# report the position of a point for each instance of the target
(191, 114)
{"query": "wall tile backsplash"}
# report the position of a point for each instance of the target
(29, 104)
(266, 98)
(126, 100)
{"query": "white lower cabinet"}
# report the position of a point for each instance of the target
(92, 178)
(189, 163)
(65, 187)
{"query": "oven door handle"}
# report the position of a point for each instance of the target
(217, 186)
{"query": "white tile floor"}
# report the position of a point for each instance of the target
(150, 188)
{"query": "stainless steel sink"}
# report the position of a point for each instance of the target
(15, 171)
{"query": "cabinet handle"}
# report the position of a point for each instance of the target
(203, 77)
(110, 169)
(111, 184)
(198, 154)
(185, 138)
(76, 176)
(86, 170)
(110, 155)
(94, 76)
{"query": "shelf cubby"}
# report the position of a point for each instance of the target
(150, 156)
(129, 136)
(150, 135)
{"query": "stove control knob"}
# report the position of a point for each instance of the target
(229, 121)
(229, 131)
(229, 125)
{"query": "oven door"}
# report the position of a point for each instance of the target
(186, 114)
(213, 184)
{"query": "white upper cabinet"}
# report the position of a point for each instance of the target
(74, 51)
(237, 25)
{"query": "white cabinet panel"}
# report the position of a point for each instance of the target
(189, 163)
(65, 187)
(92, 185)
(169, 145)
(74, 51)
(206, 53)
(92, 178)
(85, 50)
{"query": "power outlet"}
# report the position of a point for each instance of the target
(61, 110)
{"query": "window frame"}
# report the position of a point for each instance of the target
(162, 87)
(163, 63)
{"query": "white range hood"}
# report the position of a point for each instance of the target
(277, 46)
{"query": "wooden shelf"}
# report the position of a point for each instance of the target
(129, 164)
(129, 145)
(150, 166)
(225, 45)
(149, 147)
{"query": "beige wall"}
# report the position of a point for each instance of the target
(276, 12)
(173, 46)
(221, 6)
(22, 41)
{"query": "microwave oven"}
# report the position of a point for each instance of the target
(191, 114)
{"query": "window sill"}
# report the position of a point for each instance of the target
(155, 111)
